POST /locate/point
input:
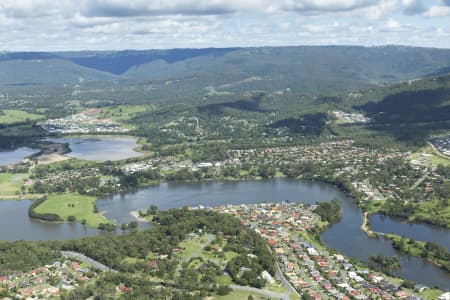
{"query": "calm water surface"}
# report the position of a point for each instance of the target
(15, 156)
(417, 231)
(101, 148)
(346, 236)
(16, 225)
(174, 195)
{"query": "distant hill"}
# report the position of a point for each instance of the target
(409, 110)
(46, 72)
(304, 69)
(118, 62)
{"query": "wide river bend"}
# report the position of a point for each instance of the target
(346, 236)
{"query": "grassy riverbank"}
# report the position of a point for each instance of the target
(79, 206)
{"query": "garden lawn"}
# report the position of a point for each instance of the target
(11, 116)
(79, 206)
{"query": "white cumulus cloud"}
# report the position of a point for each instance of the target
(438, 11)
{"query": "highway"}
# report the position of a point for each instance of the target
(83, 258)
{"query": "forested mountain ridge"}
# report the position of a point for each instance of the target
(305, 69)
(409, 111)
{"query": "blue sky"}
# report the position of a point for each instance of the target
(54, 25)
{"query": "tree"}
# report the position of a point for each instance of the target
(133, 225)
(307, 296)
(152, 210)
(223, 290)
(408, 284)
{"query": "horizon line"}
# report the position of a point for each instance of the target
(225, 47)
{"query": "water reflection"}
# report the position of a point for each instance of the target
(15, 156)
(101, 148)
(346, 236)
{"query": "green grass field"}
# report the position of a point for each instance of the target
(413, 250)
(70, 163)
(10, 183)
(431, 210)
(191, 246)
(240, 295)
(10, 116)
(123, 112)
(431, 294)
(433, 157)
(278, 288)
(82, 208)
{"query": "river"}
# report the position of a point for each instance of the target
(417, 231)
(346, 236)
(16, 225)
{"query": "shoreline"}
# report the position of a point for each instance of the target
(30, 197)
(365, 227)
(143, 154)
(135, 214)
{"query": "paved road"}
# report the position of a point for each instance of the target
(261, 291)
(283, 280)
(419, 181)
(209, 238)
(279, 274)
(84, 258)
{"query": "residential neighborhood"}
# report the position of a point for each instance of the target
(375, 175)
(49, 281)
(308, 266)
(351, 118)
(84, 122)
(442, 144)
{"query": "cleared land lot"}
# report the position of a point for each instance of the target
(10, 183)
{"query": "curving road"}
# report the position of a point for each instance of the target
(279, 274)
(209, 239)
(84, 258)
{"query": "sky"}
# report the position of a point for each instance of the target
(61, 25)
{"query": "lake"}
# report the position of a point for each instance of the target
(10, 157)
(346, 236)
(100, 148)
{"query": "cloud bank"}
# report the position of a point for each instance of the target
(141, 24)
